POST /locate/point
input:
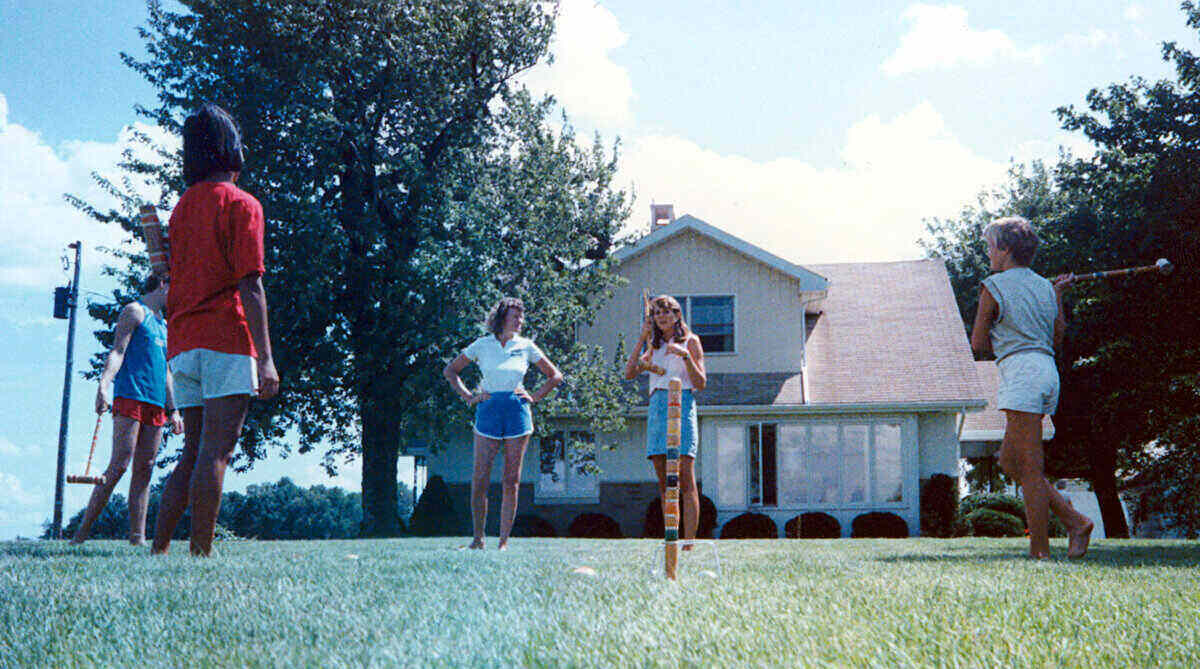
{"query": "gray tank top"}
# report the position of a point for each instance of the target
(1027, 309)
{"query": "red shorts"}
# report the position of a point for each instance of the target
(146, 414)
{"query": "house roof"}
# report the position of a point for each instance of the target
(890, 333)
(986, 428)
(769, 389)
(810, 281)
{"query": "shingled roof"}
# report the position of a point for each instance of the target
(772, 388)
(890, 333)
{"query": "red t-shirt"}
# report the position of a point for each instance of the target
(216, 237)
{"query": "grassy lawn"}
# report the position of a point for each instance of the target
(965, 602)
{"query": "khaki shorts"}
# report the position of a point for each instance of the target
(201, 374)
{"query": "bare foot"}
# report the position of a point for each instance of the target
(503, 545)
(687, 545)
(75, 541)
(476, 545)
(1078, 540)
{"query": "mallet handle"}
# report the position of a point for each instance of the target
(1116, 272)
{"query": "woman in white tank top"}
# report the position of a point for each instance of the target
(666, 344)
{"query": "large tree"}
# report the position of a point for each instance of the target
(407, 183)
(1132, 352)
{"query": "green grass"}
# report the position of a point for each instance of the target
(966, 602)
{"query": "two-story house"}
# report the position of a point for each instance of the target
(836, 388)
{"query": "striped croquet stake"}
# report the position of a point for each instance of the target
(156, 241)
(671, 503)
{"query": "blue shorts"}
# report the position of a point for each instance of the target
(1028, 382)
(503, 416)
(656, 425)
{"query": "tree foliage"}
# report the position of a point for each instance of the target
(407, 183)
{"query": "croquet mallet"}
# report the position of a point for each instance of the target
(92, 480)
(1163, 267)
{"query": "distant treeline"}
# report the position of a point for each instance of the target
(281, 510)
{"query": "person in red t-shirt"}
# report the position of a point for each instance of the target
(218, 342)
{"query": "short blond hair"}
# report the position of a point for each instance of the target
(1014, 234)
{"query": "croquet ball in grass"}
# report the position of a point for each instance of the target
(708, 573)
(585, 571)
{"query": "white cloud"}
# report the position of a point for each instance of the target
(1092, 39)
(584, 80)
(36, 222)
(7, 447)
(895, 173)
(16, 497)
(940, 38)
(1134, 12)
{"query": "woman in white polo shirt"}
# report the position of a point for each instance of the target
(502, 415)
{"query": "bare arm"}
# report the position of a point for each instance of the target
(451, 371)
(553, 379)
(176, 418)
(128, 320)
(985, 315)
(692, 353)
(632, 368)
(254, 302)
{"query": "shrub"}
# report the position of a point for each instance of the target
(529, 525)
(652, 523)
(1008, 504)
(750, 526)
(879, 525)
(985, 522)
(813, 525)
(434, 514)
(594, 526)
(939, 506)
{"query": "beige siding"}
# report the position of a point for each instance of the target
(767, 308)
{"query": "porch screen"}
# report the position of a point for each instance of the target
(731, 466)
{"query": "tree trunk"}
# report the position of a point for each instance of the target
(1104, 482)
(380, 449)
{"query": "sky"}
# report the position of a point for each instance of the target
(821, 131)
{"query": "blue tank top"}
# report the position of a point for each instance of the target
(143, 374)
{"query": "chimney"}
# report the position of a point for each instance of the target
(660, 215)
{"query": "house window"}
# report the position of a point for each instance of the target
(711, 317)
(813, 464)
(567, 468)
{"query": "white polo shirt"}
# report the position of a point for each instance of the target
(503, 366)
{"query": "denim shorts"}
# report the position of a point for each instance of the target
(503, 416)
(1028, 382)
(656, 425)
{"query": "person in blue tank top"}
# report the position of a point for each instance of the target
(502, 415)
(136, 385)
(1020, 319)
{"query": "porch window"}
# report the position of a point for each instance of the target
(811, 464)
(567, 468)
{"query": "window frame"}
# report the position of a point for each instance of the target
(685, 303)
(570, 473)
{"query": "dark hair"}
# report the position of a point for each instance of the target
(1013, 234)
(211, 143)
(151, 283)
(495, 319)
(680, 332)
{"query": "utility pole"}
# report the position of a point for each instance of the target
(72, 304)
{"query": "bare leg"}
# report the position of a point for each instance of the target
(223, 418)
(144, 454)
(481, 480)
(510, 485)
(125, 434)
(175, 493)
(690, 498)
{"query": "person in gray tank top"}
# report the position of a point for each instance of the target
(1020, 320)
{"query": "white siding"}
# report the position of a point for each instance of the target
(768, 313)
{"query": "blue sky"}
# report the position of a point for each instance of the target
(822, 131)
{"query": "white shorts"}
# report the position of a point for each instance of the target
(201, 374)
(1029, 383)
